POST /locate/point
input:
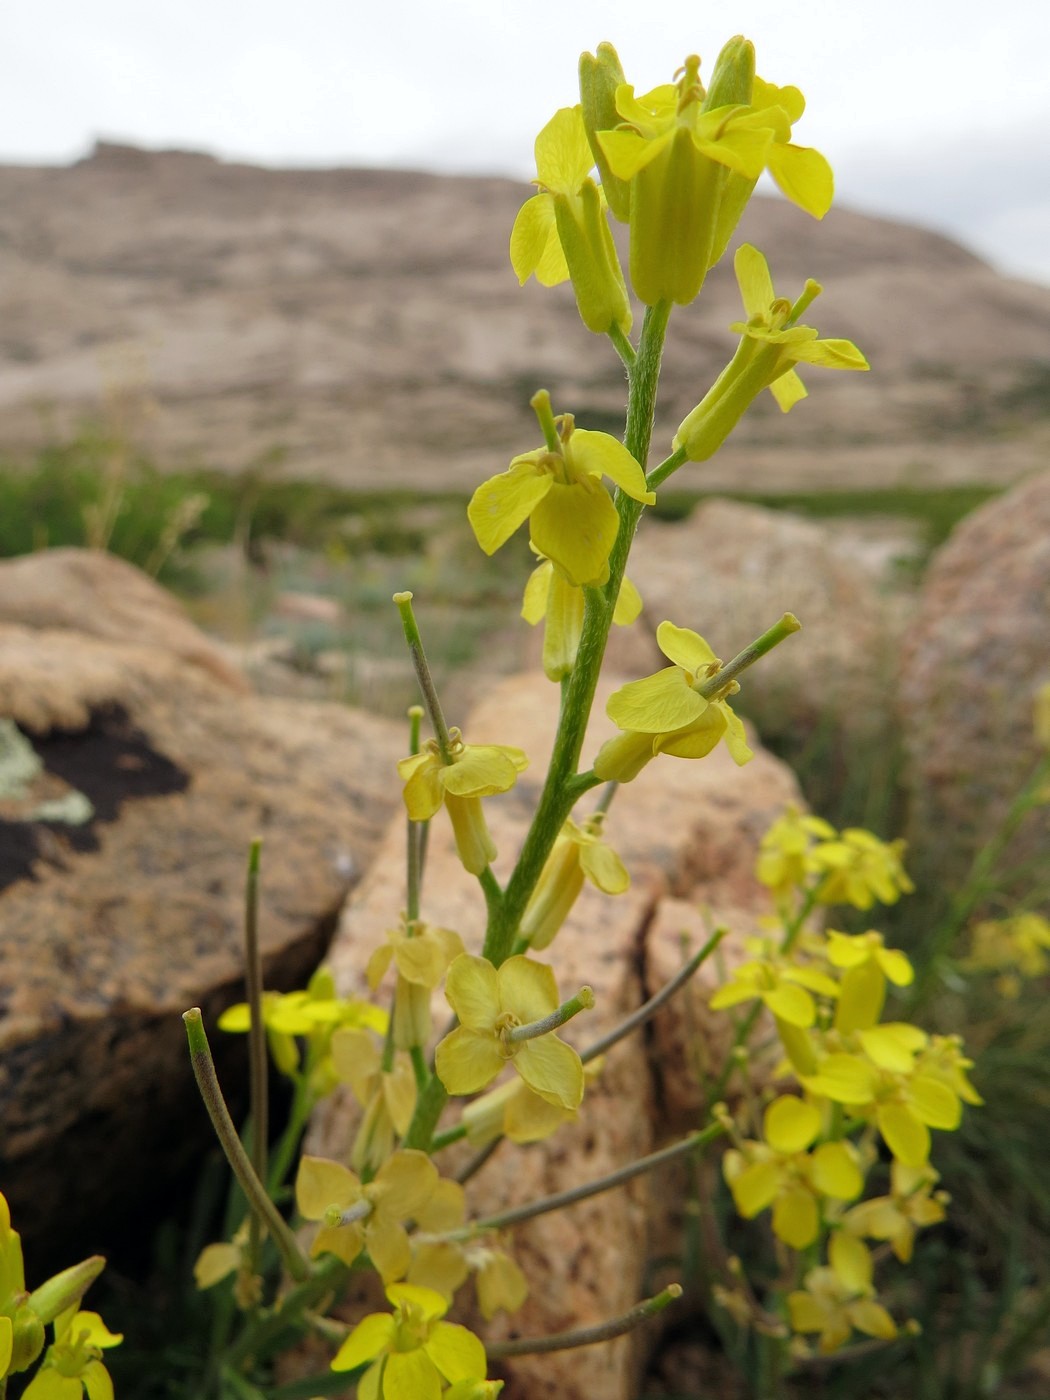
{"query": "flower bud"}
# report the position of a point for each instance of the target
(27, 1340)
(66, 1289)
(599, 78)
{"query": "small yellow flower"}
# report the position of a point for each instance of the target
(444, 1265)
(785, 987)
(578, 852)
(388, 1097)
(899, 1216)
(550, 598)
(781, 1172)
(421, 953)
(475, 771)
(563, 231)
(859, 869)
(838, 1298)
(401, 1187)
(771, 345)
(784, 863)
(866, 965)
(666, 712)
(490, 1004)
(72, 1365)
(515, 1111)
(413, 1352)
(1016, 948)
(572, 520)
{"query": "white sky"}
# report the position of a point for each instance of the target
(937, 111)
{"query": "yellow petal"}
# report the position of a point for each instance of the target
(503, 503)
(527, 988)
(872, 1319)
(534, 244)
(790, 1124)
(905, 1135)
(804, 176)
(484, 769)
(388, 1247)
(456, 1352)
(321, 1183)
(563, 153)
(411, 1375)
(755, 1187)
(658, 704)
(754, 281)
(372, 1335)
(603, 455)
(851, 1261)
(834, 1172)
(468, 1061)
(575, 526)
(553, 1069)
(534, 603)
(604, 868)
(501, 1286)
(628, 604)
(788, 390)
(472, 990)
(796, 1219)
(405, 1183)
(934, 1102)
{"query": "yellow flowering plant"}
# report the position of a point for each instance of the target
(677, 166)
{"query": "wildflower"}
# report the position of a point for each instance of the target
(559, 604)
(578, 852)
(491, 1005)
(421, 953)
(515, 1111)
(413, 1352)
(563, 231)
(840, 1297)
(473, 772)
(781, 1171)
(443, 1265)
(908, 1208)
(572, 519)
(388, 1097)
(679, 710)
(692, 159)
(859, 869)
(311, 1016)
(73, 1363)
(770, 347)
(357, 1216)
(1016, 948)
(784, 862)
(218, 1261)
(784, 987)
(866, 965)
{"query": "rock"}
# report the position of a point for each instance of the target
(133, 784)
(978, 652)
(687, 831)
(731, 570)
(96, 594)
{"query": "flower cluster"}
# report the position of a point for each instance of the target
(862, 1084)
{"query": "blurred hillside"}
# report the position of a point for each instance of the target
(364, 327)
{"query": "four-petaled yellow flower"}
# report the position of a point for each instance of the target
(782, 1173)
(72, 1364)
(413, 1352)
(475, 771)
(667, 713)
(388, 1097)
(444, 1265)
(563, 232)
(859, 869)
(866, 964)
(771, 345)
(421, 952)
(490, 1004)
(899, 1216)
(784, 863)
(572, 519)
(550, 598)
(783, 986)
(372, 1213)
(840, 1297)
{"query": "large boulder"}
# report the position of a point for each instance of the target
(977, 655)
(132, 780)
(688, 833)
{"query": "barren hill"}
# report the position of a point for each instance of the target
(365, 327)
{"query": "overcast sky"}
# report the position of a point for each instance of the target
(937, 111)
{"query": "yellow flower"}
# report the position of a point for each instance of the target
(866, 964)
(413, 1352)
(578, 852)
(515, 1111)
(387, 1097)
(771, 345)
(899, 1216)
(563, 232)
(550, 598)
(859, 869)
(784, 861)
(692, 159)
(475, 771)
(72, 1364)
(784, 987)
(782, 1172)
(669, 714)
(572, 519)
(1019, 945)
(311, 1017)
(422, 953)
(443, 1265)
(839, 1298)
(491, 1004)
(366, 1216)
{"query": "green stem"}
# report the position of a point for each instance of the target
(587, 1336)
(623, 346)
(254, 1190)
(258, 1087)
(429, 1107)
(562, 786)
(659, 474)
(532, 1030)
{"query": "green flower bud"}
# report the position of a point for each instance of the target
(64, 1290)
(599, 78)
